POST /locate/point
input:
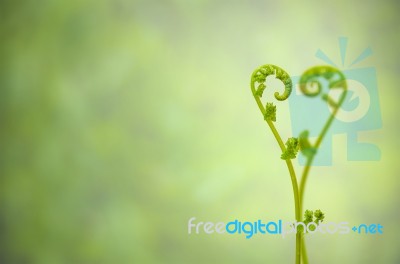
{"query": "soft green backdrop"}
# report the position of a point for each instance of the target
(122, 119)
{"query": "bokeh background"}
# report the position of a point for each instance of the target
(120, 120)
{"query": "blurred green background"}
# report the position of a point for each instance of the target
(120, 120)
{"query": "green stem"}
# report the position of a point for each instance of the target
(294, 186)
(305, 174)
(288, 163)
(298, 247)
(310, 159)
(292, 176)
(307, 168)
(303, 250)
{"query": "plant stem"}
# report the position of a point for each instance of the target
(310, 159)
(305, 173)
(304, 256)
(293, 178)
(294, 186)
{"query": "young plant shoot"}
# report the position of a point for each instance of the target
(308, 81)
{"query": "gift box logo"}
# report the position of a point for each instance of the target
(360, 111)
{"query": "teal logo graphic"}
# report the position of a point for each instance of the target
(359, 112)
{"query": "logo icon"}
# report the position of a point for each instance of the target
(360, 111)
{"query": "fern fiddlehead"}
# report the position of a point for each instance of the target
(309, 79)
(258, 85)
